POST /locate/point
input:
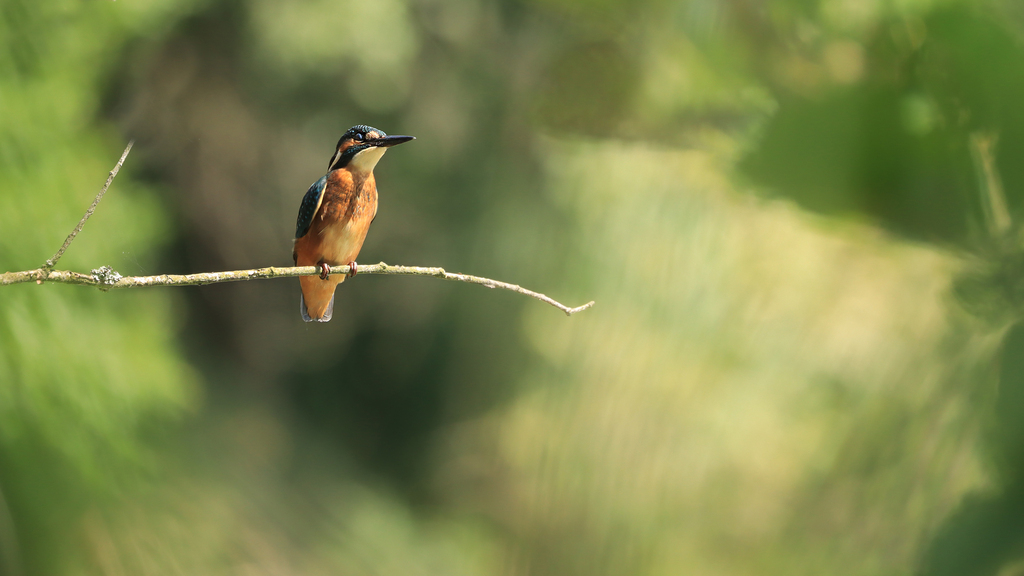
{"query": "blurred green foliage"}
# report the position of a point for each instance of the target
(893, 144)
(83, 373)
(804, 357)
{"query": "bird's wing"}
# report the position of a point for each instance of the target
(310, 204)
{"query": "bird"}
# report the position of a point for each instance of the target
(335, 215)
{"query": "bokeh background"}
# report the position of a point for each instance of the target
(800, 220)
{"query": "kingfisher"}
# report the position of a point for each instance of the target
(335, 215)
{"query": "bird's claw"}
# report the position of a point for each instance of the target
(325, 270)
(352, 268)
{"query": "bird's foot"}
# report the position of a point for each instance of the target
(352, 268)
(325, 270)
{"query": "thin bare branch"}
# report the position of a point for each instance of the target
(92, 208)
(106, 278)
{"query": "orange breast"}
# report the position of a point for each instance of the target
(336, 235)
(340, 225)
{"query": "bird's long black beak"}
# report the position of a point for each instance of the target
(389, 141)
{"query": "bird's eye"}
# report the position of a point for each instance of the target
(359, 137)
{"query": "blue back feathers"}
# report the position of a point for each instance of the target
(310, 204)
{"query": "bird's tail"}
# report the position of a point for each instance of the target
(316, 302)
(305, 312)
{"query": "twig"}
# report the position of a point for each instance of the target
(92, 208)
(106, 278)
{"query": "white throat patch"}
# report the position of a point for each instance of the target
(365, 160)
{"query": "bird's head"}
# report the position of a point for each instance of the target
(361, 147)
